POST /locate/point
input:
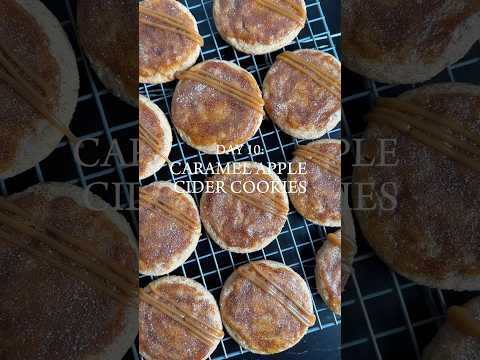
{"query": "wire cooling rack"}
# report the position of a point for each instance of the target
(299, 240)
(386, 316)
(101, 116)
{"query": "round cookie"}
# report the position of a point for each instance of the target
(207, 114)
(169, 227)
(169, 40)
(376, 45)
(196, 331)
(459, 338)
(61, 301)
(328, 272)
(321, 201)
(108, 33)
(410, 224)
(302, 93)
(155, 138)
(257, 303)
(259, 27)
(249, 211)
(38, 85)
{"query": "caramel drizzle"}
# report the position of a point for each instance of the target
(269, 4)
(320, 78)
(204, 332)
(460, 318)
(166, 22)
(276, 207)
(334, 240)
(103, 272)
(185, 222)
(224, 87)
(153, 143)
(265, 283)
(423, 126)
(11, 75)
(323, 160)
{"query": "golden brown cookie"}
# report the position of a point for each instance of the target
(349, 242)
(108, 33)
(328, 272)
(424, 208)
(259, 26)
(459, 338)
(169, 227)
(321, 175)
(266, 307)
(71, 275)
(217, 106)
(168, 40)
(155, 138)
(249, 211)
(178, 319)
(302, 93)
(403, 42)
(38, 85)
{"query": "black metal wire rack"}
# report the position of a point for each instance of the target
(386, 316)
(299, 240)
(101, 116)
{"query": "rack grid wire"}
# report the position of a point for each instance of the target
(98, 115)
(386, 316)
(299, 240)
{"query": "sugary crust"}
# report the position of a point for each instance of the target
(262, 324)
(450, 344)
(187, 290)
(36, 146)
(165, 245)
(417, 238)
(206, 118)
(177, 52)
(328, 274)
(253, 29)
(298, 105)
(247, 224)
(154, 162)
(321, 203)
(118, 346)
(111, 47)
(377, 46)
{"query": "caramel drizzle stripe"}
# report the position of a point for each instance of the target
(185, 222)
(282, 11)
(152, 143)
(430, 128)
(330, 158)
(270, 287)
(224, 87)
(115, 267)
(460, 318)
(32, 97)
(176, 316)
(320, 161)
(214, 333)
(334, 239)
(309, 70)
(402, 106)
(168, 22)
(254, 202)
(98, 269)
(99, 285)
(425, 139)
